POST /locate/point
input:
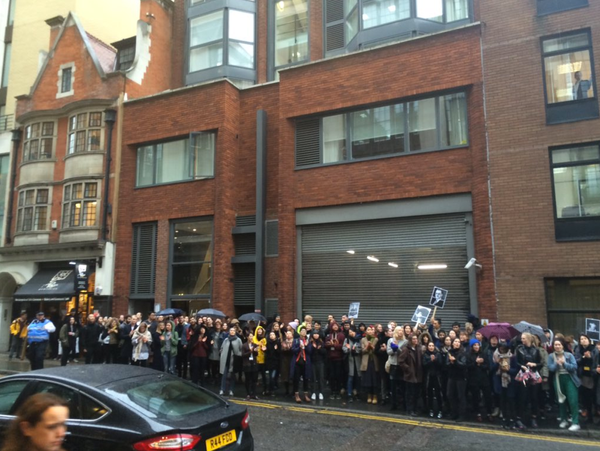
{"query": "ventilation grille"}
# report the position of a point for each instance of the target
(245, 244)
(243, 221)
(307, 142)
(335, 10)
(243, 285)
(272, 238)
(143, 262)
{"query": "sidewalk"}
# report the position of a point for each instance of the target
(548, 427)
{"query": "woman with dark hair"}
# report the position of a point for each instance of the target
(566, 382)
(40, 425)
(504, 369)
(529, 359)
(249, 356)
(584, 355)
(411, 363)
(369, 365)
(456, 365)
(199, 348)
(141, 341)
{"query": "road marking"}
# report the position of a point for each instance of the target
(425, 424)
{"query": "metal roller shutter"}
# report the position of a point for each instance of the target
(332, 278)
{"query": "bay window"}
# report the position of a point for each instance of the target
(38, 141)
(291, 32)
(32, 210)
(80, 205)
(85, 132)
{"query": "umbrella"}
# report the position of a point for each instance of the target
(533, 329)
(256, 317)
(170, 312)
(503, 331)
(213, 313)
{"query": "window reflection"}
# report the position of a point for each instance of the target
(291, 31)
(192, 258)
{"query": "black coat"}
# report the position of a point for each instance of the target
(272, 355)
(90, 335)
(458, 369)
(478, 374)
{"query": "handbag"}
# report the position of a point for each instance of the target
(388, 365)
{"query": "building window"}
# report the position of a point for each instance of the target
(66, 80)
(175, 161)
(291, 32)
(4, 160)
(125, 57)
(143, 260)
(85, 132)
(38, 142)
(569, 77)
(32, 210)
(428, 124)
(576, 187)
(191, 258)
(554, 6)
(80, 205)
(376, 21)
(570, 301)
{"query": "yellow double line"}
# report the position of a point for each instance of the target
(425, 424)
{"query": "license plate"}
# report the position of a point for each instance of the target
(221, 440)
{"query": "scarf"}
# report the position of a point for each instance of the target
(503, 361)
(302, 352)
(560, 396)
(140, 342)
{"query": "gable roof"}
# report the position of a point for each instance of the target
(101, 53)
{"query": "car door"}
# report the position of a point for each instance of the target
(10, 392)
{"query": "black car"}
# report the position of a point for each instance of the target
(122, 407)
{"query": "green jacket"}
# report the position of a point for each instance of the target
(174, 340)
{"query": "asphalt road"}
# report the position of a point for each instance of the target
(276, 427)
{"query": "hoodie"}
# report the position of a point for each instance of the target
(262, 342)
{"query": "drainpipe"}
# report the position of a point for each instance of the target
(110, 117)
(16, 139)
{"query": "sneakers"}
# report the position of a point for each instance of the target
(574, 428)
(230, 393)
(320, 396)
(431, 413)
(519, 425)
(563, 424)
(221, 392)
(314, 396)
(496, 412)
(534, 424)
(439, 415)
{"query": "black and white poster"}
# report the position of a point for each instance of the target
(592, 328)
(421, 314)
(353, 310)
(438, 297)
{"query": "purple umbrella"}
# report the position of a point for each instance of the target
(503, 331)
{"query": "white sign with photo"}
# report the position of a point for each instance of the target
(421, 314)
(592, 328)
(353, 310)
(438, 297)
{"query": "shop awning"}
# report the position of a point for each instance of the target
(49, 285)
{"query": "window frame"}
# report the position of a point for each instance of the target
(69, 204)
(546, 7)
(576, 109)
(580, 228)
(62, 70)
(39, 138)
(348, 114)
(191, 158)
(271, 44)
(22, 206)
(73, 133)
(171, 296)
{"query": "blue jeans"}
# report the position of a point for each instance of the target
(227, 375)
(169, 362)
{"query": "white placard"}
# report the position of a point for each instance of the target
(353, 310)
(421, 314)
(438, 297)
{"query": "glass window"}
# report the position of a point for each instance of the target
(576, 175)
(85, 132)
(380, 12)
(32, 211)
(570, 301)
(422, 124)
(9, 393)
(205, 51)
(38, 141)
(351, 25)
(65, 81)
(334, 138)
(67, 394)
(192, 258)
(80, 205)
(291, 32)
(3, 186)
(453, 111)
(430, 10)
(241, 38)
(378, 131)
(176, 160)
(568, 69)
(457, 10)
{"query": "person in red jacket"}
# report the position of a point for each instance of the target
(334, 343)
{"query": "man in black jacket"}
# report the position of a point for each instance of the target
(89, 339)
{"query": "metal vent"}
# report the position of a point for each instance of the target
(272, 238)
(143, 260)
(242, 221)
(243, 284)
(335, 37)
(335, 10)
(307, 142)
(245, 244)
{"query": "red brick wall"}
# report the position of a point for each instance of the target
(526, 250)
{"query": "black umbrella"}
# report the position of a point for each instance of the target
(213, 313)
(170, 312)
(256, 317)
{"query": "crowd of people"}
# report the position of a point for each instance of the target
(427, 370)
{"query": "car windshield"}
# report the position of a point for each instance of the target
(168, 399)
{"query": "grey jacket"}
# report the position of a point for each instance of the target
(237, 351)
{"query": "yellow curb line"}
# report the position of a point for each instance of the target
(426, 424)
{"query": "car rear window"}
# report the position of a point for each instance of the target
(168, 399)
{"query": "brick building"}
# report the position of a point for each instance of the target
(544, 134)
(310, 158)
(62, 213)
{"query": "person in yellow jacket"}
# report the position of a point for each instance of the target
(260, 340)
(18, 332)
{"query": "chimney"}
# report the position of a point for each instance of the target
(55, 23)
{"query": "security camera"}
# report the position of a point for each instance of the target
(471, 263)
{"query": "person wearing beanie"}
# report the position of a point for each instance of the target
(478, 379)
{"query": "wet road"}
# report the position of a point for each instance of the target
(276, 427)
